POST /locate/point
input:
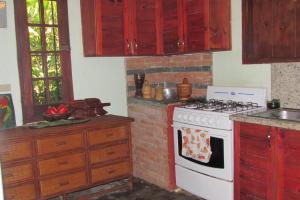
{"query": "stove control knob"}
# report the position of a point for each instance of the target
(179, 116)
(198, 119)
(191, 119)
(211, 121)
(185, 117)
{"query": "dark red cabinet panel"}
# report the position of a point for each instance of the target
(284, 15)
(271, 31)
(257, 30)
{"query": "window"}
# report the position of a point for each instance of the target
(43, 55)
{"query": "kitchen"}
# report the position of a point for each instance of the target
(92, 73)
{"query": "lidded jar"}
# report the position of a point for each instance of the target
(184, 90)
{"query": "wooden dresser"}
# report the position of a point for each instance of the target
(50, 162)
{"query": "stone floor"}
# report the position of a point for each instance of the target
(141, 191)
(146, 191)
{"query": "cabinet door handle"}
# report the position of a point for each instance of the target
(269, 137)
(178, 43)
(127, 44)
(182, 43)
(135, 44)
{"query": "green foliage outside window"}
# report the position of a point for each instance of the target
(45, 65)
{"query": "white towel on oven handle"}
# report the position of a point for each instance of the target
(196, 144)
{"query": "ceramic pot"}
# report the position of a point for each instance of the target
(184, 90)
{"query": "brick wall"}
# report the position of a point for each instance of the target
(172, 69)
(150, 143)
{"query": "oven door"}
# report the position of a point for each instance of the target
(220, 164)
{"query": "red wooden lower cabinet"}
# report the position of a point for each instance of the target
(267, 163)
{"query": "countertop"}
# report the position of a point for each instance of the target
(246, 117)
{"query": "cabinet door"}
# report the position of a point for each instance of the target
(254, 147)
(284, 31)
(172, 26)
(196, 25)
(297, 29)
(219, 25)
(289, 165)
(145, 20)
(257, 31)
(110, 21)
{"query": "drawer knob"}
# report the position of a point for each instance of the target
(111, 153)
(61, 143)
(8, 175)
(65, 162)
(109, 135)
(4, 153)
(111, 171)
(64, 183)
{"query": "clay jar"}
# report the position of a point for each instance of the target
(159, 93)
(147, 90)
(184, 90)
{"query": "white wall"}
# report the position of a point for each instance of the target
(92, 77)
(228, 69)
(8, 60)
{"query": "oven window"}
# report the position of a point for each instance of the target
(217, 156)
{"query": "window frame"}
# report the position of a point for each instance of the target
(33, 112)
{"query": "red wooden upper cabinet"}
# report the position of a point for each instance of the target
(154, 27)
(103, 27)
(143, 32)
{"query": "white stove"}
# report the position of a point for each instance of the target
(212, 180)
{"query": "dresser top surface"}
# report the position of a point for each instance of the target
(101, 122)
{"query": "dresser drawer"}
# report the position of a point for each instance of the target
(17, 173)
(107, 135)
(15, 151)
(61, 163)
(59, 143)
(110, 172)
(23, 192)
(109, 153)
(64, 183)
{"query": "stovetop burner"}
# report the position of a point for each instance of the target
(215, 105)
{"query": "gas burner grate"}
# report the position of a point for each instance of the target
(215, 105)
